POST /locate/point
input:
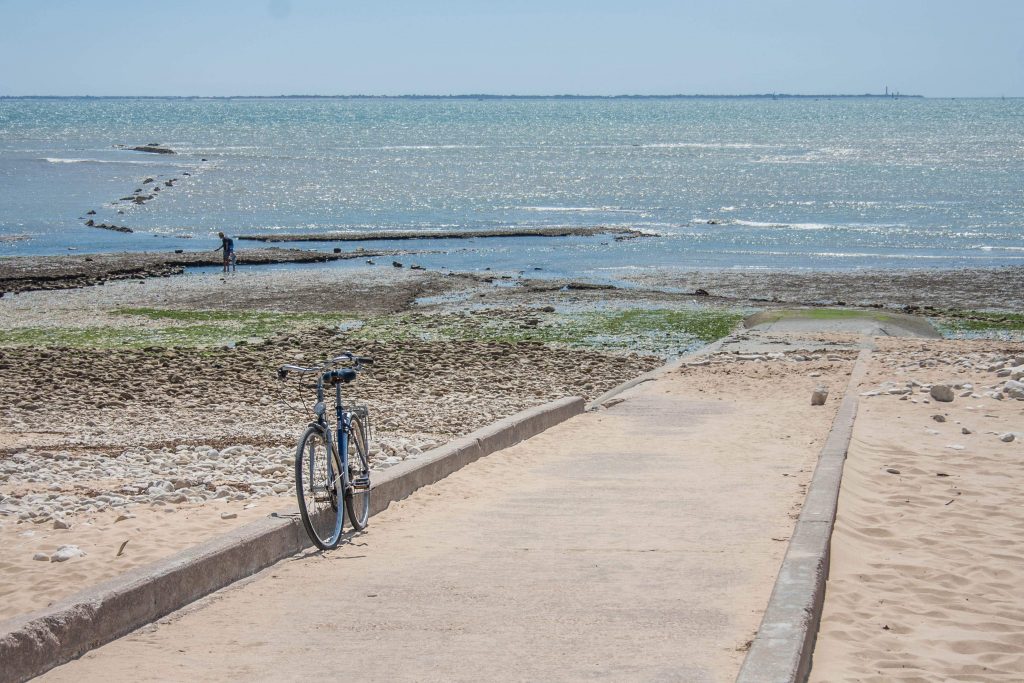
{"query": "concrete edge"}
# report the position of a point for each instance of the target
(782, 649)
(33, 643)
(657, 372)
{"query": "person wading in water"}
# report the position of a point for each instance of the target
(228, 245)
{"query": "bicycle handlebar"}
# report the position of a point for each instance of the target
(282, 372)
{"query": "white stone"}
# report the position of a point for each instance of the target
(66, 552)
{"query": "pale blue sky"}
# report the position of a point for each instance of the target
(259, 47)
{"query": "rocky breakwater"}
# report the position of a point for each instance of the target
(139, 196)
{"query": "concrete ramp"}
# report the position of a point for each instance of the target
(872, 323)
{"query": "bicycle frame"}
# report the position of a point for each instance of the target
(337, 442)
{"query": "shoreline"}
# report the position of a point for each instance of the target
(999, 288)
(74, 271)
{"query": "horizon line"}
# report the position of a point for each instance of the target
(766, 95)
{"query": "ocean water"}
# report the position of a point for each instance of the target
(717, 183)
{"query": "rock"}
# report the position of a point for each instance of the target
(396, 264)
(1007, 437)
(892, 470)
(153, 149)
(819, 396)
(60, 524)
(90, 212)
(965, 430)
(41, 557)
(939, 418)
(66, 552)
(122, 518)
(1014, 389)
(941, 392)
(700, 292)
(228, 515)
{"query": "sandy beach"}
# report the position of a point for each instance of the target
(926, 574)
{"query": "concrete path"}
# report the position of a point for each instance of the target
(635, 543)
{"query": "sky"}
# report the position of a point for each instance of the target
(937, 48)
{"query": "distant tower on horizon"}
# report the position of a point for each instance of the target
(886, 91)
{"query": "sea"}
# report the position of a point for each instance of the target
(828, 183)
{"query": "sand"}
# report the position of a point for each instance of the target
(151, 533)
(927, 575)
(557, 559)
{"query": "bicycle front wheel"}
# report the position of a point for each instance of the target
(316, 487)
(357, 498)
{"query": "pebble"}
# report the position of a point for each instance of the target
(941, 392)
(1007, 437)
(892, 470)
(965, 430)
(228, 515)
(41, 557)
(819, 396)
(60, 524)
(939, 418)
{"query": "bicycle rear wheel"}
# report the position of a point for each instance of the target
(316, 490)
(357, 498)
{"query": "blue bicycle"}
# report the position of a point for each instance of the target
(332, 466)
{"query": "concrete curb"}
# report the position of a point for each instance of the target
(34, 643)
(782, 649)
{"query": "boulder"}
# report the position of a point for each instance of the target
(941, 392)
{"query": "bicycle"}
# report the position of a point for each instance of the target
(326, 471)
